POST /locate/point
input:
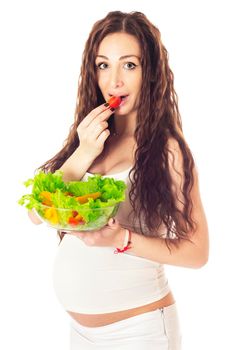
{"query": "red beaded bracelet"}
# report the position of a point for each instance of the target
(127, 242)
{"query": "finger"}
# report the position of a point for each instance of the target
(97, 120)
(95, 112)
(89, 241)
(111, 221)
(102, 117)
(96, 235)
(97, 129)
(103, 136)
(78, 234)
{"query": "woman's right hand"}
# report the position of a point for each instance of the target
(93, 131)
(34, 218)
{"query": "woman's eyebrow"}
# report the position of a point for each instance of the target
(121, 58)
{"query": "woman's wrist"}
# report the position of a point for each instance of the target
(119, 238)
(76, 165)
(123, 240)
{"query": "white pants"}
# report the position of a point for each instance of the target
(154, 330)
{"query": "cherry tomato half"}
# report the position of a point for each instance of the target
(73, 221)
(114, 101)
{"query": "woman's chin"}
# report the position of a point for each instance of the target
(118, 113)
(122, 110)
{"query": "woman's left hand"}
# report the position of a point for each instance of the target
(111, 235)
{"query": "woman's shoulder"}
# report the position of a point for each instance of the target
(172, 144)
(175, 153)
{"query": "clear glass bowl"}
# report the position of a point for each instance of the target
(70, 219)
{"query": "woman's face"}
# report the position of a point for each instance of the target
(119, 70)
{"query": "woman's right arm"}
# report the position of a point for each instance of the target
(76, 165)
(93, 132)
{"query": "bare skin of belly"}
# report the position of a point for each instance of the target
(89, 320)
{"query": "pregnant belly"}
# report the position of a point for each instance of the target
(99, 320)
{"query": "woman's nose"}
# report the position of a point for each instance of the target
(116, 80)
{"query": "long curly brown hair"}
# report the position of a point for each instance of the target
(158, 119)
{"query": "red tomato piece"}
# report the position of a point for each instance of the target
(114, 101)
(73, 221)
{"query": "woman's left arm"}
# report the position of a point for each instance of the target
(192, 254)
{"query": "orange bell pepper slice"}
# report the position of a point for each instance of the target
(84, 199)
(46, 198)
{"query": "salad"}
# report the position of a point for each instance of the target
(74, 205)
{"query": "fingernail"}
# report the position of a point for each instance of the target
(112, 109)
(106, 104)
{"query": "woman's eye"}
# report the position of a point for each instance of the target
(102, 65)
(130, 65)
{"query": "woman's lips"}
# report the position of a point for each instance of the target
(117, 101)
(124, 100)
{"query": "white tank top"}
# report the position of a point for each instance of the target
(94, 280)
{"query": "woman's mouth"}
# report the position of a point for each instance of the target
(123, 99)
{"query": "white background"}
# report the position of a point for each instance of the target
(41, 47)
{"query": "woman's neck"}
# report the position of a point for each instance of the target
(124, 126)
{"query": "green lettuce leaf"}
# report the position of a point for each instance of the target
(94, 211)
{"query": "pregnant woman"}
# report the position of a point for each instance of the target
(112, 281)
